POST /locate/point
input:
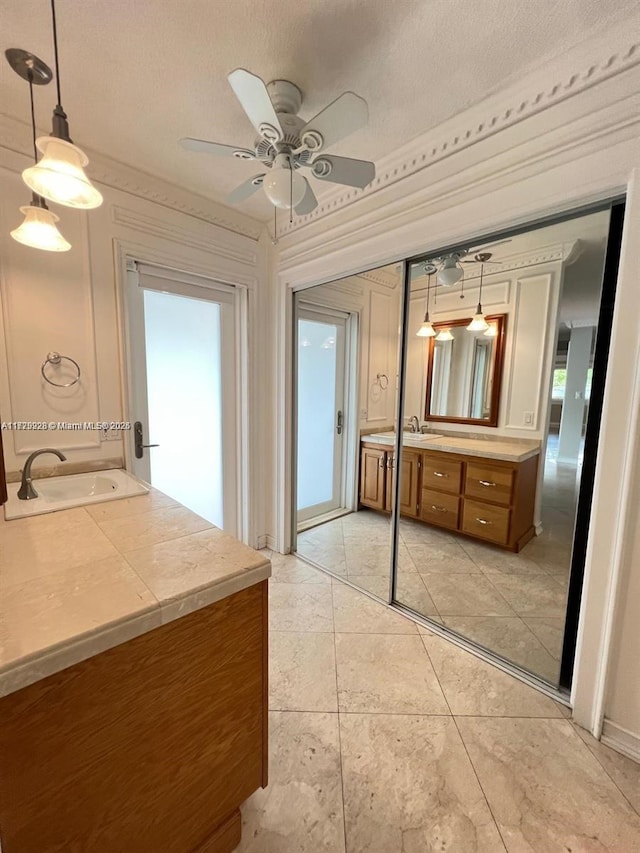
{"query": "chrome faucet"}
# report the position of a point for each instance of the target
(26, 492)
(414, 423)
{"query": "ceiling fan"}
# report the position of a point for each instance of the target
(287, 143)
(447, 267)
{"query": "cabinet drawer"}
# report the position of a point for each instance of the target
(489, 484)
(441, 474)
(486, 521)
(439, 508)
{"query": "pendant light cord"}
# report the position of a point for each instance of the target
(290, 190)
(480, 294)
(428, 289)
(33, 117)
(55, 50)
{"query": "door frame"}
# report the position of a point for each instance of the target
(127, 256)
(350, 458)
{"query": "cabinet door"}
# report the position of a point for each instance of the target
(372, 477)
(409, 483)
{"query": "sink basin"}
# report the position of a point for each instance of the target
(421, 436)
(56, 493)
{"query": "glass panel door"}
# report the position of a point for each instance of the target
(321, 413)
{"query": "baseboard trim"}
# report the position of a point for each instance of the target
(621, 739)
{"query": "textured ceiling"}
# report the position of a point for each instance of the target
(137, 76)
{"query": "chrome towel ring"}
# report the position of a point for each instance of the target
(55, 358)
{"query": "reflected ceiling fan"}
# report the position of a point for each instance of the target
(448, 269)
(286, 143)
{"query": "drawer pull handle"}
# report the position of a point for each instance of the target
(439, 474)
(486, 483)
(483, 521)
(381, 462)
(438, 508)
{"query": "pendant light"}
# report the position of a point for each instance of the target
(426, 329)
(492, 331)
(59, 176)
(479, 324)
(39, 229)
(444, 335)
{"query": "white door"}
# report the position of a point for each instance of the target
(183, 379)
(320, 394)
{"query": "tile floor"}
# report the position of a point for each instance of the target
(513, 604)
(386, 738)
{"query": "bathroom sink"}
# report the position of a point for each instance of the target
(421, 436)
(55, 493)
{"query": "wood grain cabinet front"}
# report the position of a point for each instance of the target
(488, 499)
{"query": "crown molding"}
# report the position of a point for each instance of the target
(560, 80)
(384, 276)
(15, 136)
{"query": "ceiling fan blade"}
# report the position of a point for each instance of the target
(254, 98)
(245, 190)
(477, 249)
(346, 114)
(343, 170)
(207, 147)
(309, 201)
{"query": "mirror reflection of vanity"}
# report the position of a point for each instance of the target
(464, 372)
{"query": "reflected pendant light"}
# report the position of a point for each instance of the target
(444, 335)
(450, 273)
(39, 230)
(479, 324)
(426, 329)
(60, 176)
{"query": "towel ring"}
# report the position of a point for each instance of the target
(383, 381)
(56, 358)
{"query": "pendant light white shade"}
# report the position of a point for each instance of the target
(478, 324)
(39, 230)
(283, 187)
(492, 331)
(426, 330)
(444, 335)
(59, 175)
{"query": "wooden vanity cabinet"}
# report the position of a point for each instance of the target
(488, 499)
(377, 467)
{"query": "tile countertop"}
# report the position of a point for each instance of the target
(509, 450)
(77, 582)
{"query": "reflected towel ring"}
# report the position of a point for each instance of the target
(55, 358)
(383, 381)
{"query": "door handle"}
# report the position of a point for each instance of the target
(138, 438)
(339, 423)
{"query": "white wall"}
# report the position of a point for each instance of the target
(69, 302)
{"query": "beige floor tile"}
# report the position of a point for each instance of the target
(301, 809)
(302, 671)
(377, 585)
(357, 613)
(330, 557)
(473, 687)
(549, 630)
(300, 607)
(417, 533)
(497, 561)
(409, 788)
(465, 595)
(442, 557)
(624, 772)
(534, 595)
(287, 568)
(510, 637)
(411, 591)
(386, 673)
(545, 788)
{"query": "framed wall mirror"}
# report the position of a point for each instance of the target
(464, 372)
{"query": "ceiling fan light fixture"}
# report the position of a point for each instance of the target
(39, 230)
(284, 187)
(59, 175)
(450, 273)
